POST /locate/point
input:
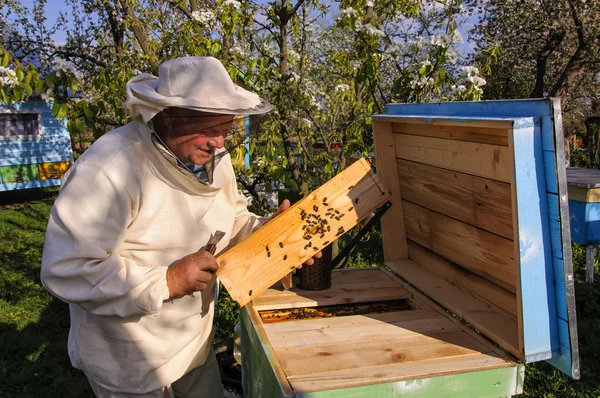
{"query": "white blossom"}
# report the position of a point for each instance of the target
(420, 42)
(420, 81)
(234, 3)
(452, 56)
(306, 122)
(456, 37)
(341, 88)
(47, 96)
(348, 11)
(293, 55)
(425, 63)
(471, 70)
(437, 40)
(61, 66)
(8, 77)
(476, 80)
(459, 89)
(358, 25)
(370, 3)
(372, 30)
(204, 17)
(237, 49)
(355, 64)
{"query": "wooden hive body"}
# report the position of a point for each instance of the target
(478, 228)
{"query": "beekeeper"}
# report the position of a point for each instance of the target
(124, 239)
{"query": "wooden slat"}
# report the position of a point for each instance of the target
(397, 372)
(440, 121)
(517, 249)
(582, 194)
(394, 244)
(478, 201)
(350, 278)
(491, 322)
(331, 296)
(483, 135)
(488, 161)
(262, 259)
(493, 206)
(489, 256)
(297, 361)
(469, 282)
(357, 328)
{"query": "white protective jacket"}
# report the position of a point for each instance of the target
(124, 214)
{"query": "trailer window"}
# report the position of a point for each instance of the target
(13, 125)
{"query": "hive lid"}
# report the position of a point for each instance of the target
(452, 143)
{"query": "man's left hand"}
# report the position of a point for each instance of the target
(283, 207)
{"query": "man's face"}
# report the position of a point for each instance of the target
(192, 136)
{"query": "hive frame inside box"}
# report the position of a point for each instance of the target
(437, 252)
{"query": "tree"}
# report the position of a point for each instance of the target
(325, 80)
(547, 47)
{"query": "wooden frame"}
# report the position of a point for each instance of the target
(284, 243)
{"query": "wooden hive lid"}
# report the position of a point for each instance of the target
(479, 220)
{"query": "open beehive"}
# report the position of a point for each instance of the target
(477, 257)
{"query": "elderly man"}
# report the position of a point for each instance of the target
(123, 239)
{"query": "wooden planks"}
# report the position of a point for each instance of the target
(493, 323)
(469, 133)
(469, 282)
(478, 201)
(413, 372)
(394, 245)
(487, 255)
(384, 350)
(356, 286)
(488, 161)
(357, 327)
(262, 259)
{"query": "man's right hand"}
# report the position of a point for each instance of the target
(191, 274)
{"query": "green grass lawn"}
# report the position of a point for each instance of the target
(34, 325)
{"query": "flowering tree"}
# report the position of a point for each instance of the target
(324, 79)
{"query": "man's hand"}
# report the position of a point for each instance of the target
(283, 207)
(191, 274)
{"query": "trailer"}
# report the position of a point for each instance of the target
(35, 148)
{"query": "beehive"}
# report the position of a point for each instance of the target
(478, 229)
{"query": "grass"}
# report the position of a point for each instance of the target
(34, 325)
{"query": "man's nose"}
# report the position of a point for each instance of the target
(217, 142)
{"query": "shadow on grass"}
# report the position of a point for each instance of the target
(34, 361)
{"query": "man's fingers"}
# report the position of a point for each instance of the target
(203, 277)
(318, 254)
(310, 261)
(210, 266)
(199, 286)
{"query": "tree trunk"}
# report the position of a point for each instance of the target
(284, 112)
(555, 38)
